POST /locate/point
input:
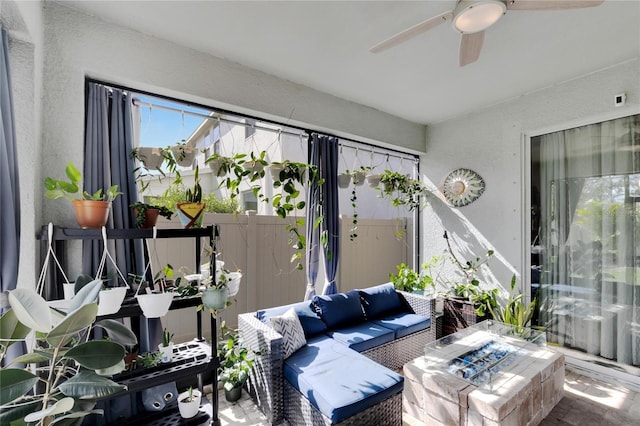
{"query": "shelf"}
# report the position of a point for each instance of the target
(169, 416)
(130, 307)
(189, 358)
(61, 233)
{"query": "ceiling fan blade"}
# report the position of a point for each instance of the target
(551, 4)
(411, 32)
(470, 47)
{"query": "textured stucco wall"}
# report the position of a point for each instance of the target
(491, 142)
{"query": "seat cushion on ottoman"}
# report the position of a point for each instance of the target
(310, 321)
(381, 300)
(338, 381)
(404, 324)
(362, 337)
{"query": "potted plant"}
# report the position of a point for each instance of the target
(91, 210)
(189, 403)
(216, 292)
(344, 179)
(183, 153)
(147, 214)
(406, 279)
(191, 210)
(73, 371)
(401, 190)
(514, 311)
(235, 364)
(256, 165)
(357, 177)
(152, 157)
(166, 346)
(155, 303)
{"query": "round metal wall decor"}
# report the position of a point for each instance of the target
(462, 187)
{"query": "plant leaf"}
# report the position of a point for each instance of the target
(32, 358)
(11, 330)
(87, 294)
(114, 369)
(62, 406)
(88, 385)
(118, 332)
(15, 383)
(31, 309)
(96, 354)
(72, 324)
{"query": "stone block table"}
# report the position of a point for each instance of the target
(484, 375)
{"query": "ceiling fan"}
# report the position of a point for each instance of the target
(472, 17)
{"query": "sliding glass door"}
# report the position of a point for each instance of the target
(585, 220)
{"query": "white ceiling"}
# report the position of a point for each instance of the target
(325, 45)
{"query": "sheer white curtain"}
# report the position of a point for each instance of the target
(590, 231)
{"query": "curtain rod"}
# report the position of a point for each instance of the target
(219, 119)
(379, 150)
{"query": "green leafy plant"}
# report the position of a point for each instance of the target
(194, 194)
(514, 311)
(150, 359)
(141, 211)
(175, 194)
(190, 396)
(70, 189)
(401, 190)
(167, 336)
(357, 177)
(235, 363)
(69, 370)
(406, 279)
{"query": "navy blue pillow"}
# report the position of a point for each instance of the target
(381, 300)
(311, 322)
(338, 310)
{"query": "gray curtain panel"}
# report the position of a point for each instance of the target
(9, 190)
(313, 232)
(331, 222)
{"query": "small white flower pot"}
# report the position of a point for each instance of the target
(373, 180)
(167, 352)
(343, 180)
(189, 409)
(109, 301)
(155, 305)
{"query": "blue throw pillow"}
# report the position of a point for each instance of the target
(310, 321)
(381, 300)
(339, 310)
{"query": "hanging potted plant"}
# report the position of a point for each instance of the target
(357, 177)
(189, 403)
(373, 179)
(91, 210)
(344, 179)
(233, 171)
(191, 210)
(152, 157)
(183, 153)
(235, 364)
(401, 190)
(215, 293)
(166, 346)
(256, 165)
(155, 303)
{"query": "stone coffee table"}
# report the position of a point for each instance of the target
(487, 374)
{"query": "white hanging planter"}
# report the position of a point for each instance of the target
(253, 166)
(216, 165)
(275, 170)
(184, 154)
(151, 157)
(189, 409)
(69, 290)
(233, 283)
(155, 305)
(343, 180)
(358, 178)
(110, 301)
(373, 180)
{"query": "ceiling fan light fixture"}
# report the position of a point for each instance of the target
(473, 16)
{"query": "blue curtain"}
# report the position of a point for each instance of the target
(331, 223)
(313, 210)
(9, 189)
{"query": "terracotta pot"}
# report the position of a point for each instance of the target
(90, 213)
(150, 217)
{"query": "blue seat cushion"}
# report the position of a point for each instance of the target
(404, 324)
(310, 321)
(362, 337)
(382, 300)
(340, 310)
(338, 381)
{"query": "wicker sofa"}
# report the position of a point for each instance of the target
(345, 355)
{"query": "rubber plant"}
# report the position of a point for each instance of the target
(68, 373)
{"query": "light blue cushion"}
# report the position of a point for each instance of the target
(310, 321)
(338, 381)
(404, 324)
(381, 300)
(340, 310)
(363, 336)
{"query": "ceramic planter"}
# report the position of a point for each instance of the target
(190, 214)
(358, 178)
(155, 305)
(216, 166)
(91, 213)
(110, 301)
(233, 283)
(189, 409)
(151, 157)
(215, 298)
(253, 166)
(373, 180)
(275, 170)
(183, 154)
(167, 352)
(343, 180)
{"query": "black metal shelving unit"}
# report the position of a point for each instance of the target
(190, 358)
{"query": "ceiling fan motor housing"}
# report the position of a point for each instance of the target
(472, 16)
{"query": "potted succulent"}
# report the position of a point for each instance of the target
(235, 364)
(60, 352)
(166, 346)
(147, 214)
(189, 403)
(91, 210)
(191, 210)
